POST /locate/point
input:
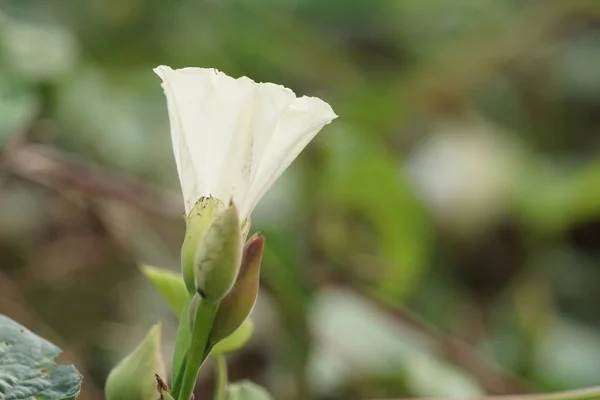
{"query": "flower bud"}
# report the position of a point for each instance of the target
(237, 305)
(197, 222)
(134, 378)
(218, 255)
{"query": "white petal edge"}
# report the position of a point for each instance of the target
(296, 127)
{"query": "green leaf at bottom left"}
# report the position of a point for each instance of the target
(27, 368)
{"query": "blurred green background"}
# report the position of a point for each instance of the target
(441, 237)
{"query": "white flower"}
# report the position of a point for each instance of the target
(233, 138)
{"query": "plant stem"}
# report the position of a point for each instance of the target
(205, 315)
(182, 344)
(222, 380)
(178, 378)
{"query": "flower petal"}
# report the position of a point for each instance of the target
(232, 138)
(190, 183)
(296, 127)
(207, 109)
(262, 115)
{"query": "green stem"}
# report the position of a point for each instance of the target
(182, 344)
(222, 380)
(205, 315)
(178, 378)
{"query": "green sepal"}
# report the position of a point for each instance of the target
(218, 256)
(197, 222)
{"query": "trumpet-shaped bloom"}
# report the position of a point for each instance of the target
(232, 138)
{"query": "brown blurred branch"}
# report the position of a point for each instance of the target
(577, 394)
(49, 168)
(447, 78)
(490, 377)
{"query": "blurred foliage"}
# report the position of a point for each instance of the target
(461, 181)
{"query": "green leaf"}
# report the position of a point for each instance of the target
(27, 369)
(553, 201)
(19, 104)
(247, 390)
(236, 340)
(391, 206)
(169, 284)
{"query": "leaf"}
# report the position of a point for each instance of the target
(236, 340)
(27, 369)
(390, 205)
(553, 201)
(19, 104)
(247, 390)
(169, 284)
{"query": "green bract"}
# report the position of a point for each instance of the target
(247, 390)
(197, 222)
(239, 302)
(134, 378)
(218, 256)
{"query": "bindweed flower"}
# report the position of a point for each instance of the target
(233, 138)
